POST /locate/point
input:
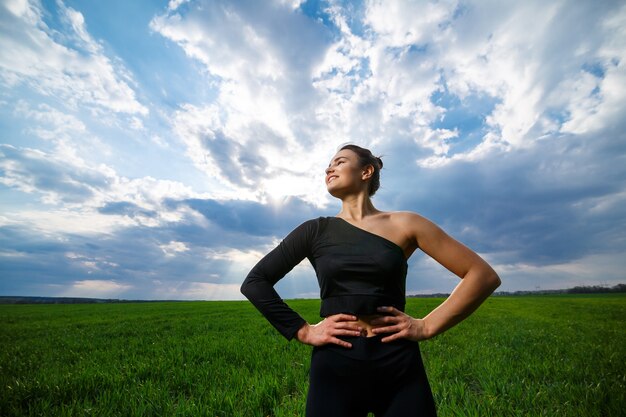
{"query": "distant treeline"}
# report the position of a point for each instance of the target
(584, 289)
(597, 289)
(67, 300)
(591, 289)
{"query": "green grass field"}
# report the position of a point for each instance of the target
(516, 356)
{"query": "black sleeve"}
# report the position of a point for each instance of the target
(258, 286)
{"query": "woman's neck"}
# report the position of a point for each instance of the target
(357, 207)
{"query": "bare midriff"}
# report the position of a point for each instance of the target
(365, 322)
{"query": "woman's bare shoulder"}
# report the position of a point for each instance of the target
(413, 223)
(407, 217)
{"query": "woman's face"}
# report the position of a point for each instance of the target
(344, 175)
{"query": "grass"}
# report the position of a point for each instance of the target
(516, 356)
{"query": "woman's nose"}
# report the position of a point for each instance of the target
(328, 170)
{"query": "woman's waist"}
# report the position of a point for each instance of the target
(365, 322)
(362, 305)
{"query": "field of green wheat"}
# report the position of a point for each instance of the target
(516, 356)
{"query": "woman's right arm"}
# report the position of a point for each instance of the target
(258, 287)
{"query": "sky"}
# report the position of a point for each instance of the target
(157, 150)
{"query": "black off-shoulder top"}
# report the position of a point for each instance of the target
(357, 272)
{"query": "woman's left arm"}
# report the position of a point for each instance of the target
(478, 281)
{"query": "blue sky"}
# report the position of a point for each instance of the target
(156, 150)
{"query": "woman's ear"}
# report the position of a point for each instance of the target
(367, 172)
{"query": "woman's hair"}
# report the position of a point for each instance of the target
(367, 158)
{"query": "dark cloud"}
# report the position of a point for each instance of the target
(251, 217)
(126, 208)
(44, 265)
(29, 170)
(240, 165)
(541, 205)
(31, 261)
(138, 256)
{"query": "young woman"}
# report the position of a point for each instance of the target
(366, 357)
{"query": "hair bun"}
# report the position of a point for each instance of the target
(380, 162)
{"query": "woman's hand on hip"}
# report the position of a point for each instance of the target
(327, 330)
(399, 326)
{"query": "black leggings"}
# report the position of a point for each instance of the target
(387, 379)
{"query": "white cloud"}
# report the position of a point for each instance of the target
(599, 102)
(70, 66)
(88, 199)
(238, 262)
(403, 23)
(476, 49)
(90, 264)
(241, 141)
(202, 291)
(11, 253)
(528, 58)
(21, 8)
(294, 4)
(265, 97)
(173, 248)
(593, 269)
(96, 289)
(376, 85)
(66, 134)
(245, 160)
(60, 222)
(175, 4)
(51, 124)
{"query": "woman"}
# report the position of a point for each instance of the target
(366, 357)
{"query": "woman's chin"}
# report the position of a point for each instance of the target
(334, 191)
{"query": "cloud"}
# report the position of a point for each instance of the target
(165, 261)
(50, 123)
(539, 71)
(173, 248)
(387, 76)
(32, 170)
(265, 98)
(251, 217)
(601, 270)
(96, 288)
(85, 190)
(100, 227)
(248, 161)
(69, 65)
(556, 202)
(199, 291)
